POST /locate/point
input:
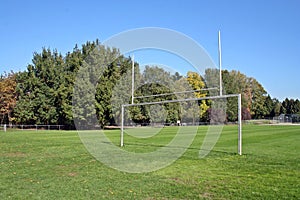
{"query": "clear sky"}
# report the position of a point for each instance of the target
(260, 38)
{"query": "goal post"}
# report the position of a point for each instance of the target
(239, 124)
(189, 99)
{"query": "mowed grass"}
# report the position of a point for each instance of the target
(56, 165)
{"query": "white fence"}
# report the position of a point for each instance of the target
(35, 127)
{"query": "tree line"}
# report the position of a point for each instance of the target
(256, 102)
(44, 92)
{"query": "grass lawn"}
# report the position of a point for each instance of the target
(56, 165)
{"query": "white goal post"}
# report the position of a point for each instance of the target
(190, 99)
(221, 96)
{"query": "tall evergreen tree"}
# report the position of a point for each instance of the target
(38, 88)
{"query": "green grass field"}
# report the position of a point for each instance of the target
(56, 165)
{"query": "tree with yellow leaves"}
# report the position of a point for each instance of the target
(197, 83)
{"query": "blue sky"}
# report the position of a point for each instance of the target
(259, 38)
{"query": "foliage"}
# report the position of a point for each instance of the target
(290, 106)
(154, 83)
(253, 95)
(197, 82)
(39, 89)
(8, 96)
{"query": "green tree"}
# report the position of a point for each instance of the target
(112, 74)
(155, 81)
(142, 114)
(73, 61)
(258, 109)
(269, 106)
(38, 88)
(253, 95)
(94, 83)
(290, 106)
(234, 82)
(297, 106)
(176, 76)
(276, 108)
(286, 108)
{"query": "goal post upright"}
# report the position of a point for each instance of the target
(239, 96)
(132, 79)
(122, 127)
(239, 124)
(220, 63)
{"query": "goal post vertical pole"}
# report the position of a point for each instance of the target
(132, 79)
(220, 62)
(122, 127)
(240, 124)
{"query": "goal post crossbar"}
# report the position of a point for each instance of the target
(181, 100)
(190, 99)
(184, 92)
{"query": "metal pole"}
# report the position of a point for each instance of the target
(184, 92)
(240, 124)
(132, 79)
(220, 63)
(180, 100)
(122, 127)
